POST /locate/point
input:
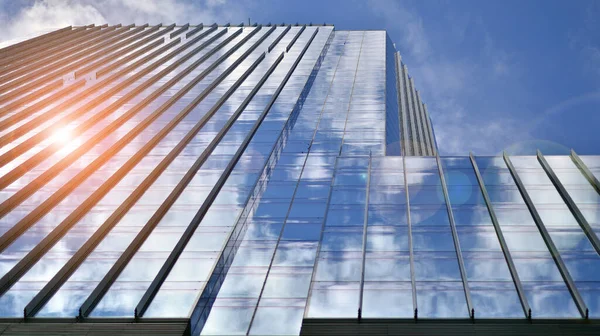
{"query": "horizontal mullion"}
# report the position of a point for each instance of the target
(28, 220)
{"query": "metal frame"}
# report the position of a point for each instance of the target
(187, 235)
(402, 106)
(63, 55)
(410, 115)
(461, 263)
(219, 271)
(430, 131)
(67, 41)
(179, 31)
(65, 65)
(42, 39)
(274, 43)
(18, 116)
(14, 274)
(585, 226)
(423, 126)
(331, 186)
(411, 253)
(364, 242)
(585, 171)
(420, 124)
(9, 107)
(291, 44)
(28, 220)
(10, 136)
(34, 160)
(503, 245)
(562, 268)
(101, 233)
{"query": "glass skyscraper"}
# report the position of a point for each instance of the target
(270, 180)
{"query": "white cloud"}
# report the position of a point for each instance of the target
(454, 87)
(45, 15)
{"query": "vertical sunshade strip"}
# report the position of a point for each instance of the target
(169, 263)
(101, 233)
(562, 268)
(500, 235)
(585, 226)
(26, 263)
(48, 204)
(459, 256)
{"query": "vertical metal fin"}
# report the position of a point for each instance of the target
(503, 245)
(562, 268)
(461, 263)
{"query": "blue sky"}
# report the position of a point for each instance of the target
(511, 75)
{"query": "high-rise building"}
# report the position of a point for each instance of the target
(270, 180)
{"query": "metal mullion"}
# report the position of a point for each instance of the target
(562, 268)
(9, 64)
(411, 252)
(29, 219)
(409, 114)
(40, 136)
(430, 131)
(5, 123)
(331, 186)
(42, 39)
(27, 144)
(121, 52)
(36, 138)
(401, 84)
(100, 49)
(28, 97)
(25, 65)
(291, 44)
(364, 242)
(286, 216)
(585, 226)
(417, 139)
(55, 94)
(187, 235)
(426, 136)
(180, 30)
(461, 263)
(67, 270)
(28, 261)
(57, 64)
(194, 31)
(274, 43)
(500, 235)
(101, 288)
(587, 173)
(419, 117)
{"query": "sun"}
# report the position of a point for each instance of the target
(65, 137)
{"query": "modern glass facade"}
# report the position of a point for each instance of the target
(250, 179)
